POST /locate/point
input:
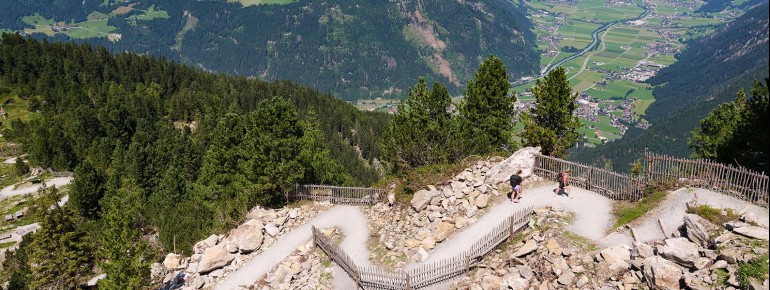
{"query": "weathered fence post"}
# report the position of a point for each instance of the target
(358, 279)
(408, 283)
(312, 228)
(467, 264)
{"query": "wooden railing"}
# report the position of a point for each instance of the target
(337, 194)
(426, 274)
(610, 184)
(733, 181)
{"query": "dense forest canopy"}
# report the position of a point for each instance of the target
(354, 49)
(189, 141)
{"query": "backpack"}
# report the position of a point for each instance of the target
(560, 177)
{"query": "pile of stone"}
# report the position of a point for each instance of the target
(439, 210)
(303, 269)
(690, 261)
(218, 255)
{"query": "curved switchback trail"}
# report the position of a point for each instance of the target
(593, 220)
(593, 217)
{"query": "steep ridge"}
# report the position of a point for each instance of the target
(352, 49)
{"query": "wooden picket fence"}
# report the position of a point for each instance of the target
(426, 274)
(610, 184)
(738, 182)
(337, 194)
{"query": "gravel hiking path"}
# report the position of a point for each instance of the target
(349, 219)
(593, 216)
(8, 191)
(671, 214)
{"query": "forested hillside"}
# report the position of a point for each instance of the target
(191, 145)
(709, 72)
(354, 49)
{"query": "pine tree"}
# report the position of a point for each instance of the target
(87, 190)
(551, 124)
(487, 109)
(271, 151)
(717, 129)
(319, 167)
(418, 134)
(61, 254)
(123, 255)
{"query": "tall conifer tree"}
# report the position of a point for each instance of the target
(552, 124)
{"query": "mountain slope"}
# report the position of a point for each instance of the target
(355, 49)
(709, 72)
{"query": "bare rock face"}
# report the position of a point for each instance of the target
(248, 236)
(523, 159)
(422, 198)
(661, 273)
(214, 258)
(680, 251)
(747, 230)
(698, 230)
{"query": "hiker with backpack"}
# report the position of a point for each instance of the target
(516, 186)
(563, 179)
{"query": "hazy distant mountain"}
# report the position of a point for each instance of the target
(355, 49)
(709, 72)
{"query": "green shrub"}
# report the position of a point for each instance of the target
(712, 214)
(756, 268)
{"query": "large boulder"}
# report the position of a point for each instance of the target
(248, 236)
(680, 251)
(523, 159)
(422, 198)
(482, 200)
(443, 230)
(700, 230)
(661, 273)
(214, 258)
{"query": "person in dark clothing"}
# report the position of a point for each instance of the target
(516, 186)
(564, 186)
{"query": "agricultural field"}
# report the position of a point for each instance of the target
(611, 78)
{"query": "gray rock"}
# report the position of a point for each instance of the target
(525, 271)
(482, 200)
(721, 264)
(750, 217)
(157, 271)
(214, 258)
(582, 281)
(529, 247)
(471, 211)
(680, 251)
(566, 278)
(661, 273)
(523, 159)
(459, 189)
(443, 230)
(702, 263)
(421, 199)
(753, 232)
(616, 253)
(699, 230)
(644, 250)
(172, 261)
(248, 236)
(293, 213)
(271, 230)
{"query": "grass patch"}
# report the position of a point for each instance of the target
(714, 215)
(628, 212)
(756, 268)
(6, 245)
(722, 276)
